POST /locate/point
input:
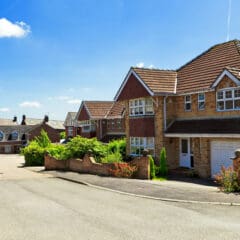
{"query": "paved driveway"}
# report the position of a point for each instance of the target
(11, 167)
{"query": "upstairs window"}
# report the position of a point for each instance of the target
(14, 136)
(70, 131)
(201, 101)
(1, 136)
(88, 126)
(141, 106)
(228, 99)
(188, 103)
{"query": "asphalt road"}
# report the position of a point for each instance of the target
(40, 207)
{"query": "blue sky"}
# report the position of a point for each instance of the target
(55, 53)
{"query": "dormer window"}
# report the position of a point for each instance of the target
(141, 106)
(188, 103)
(228, 99)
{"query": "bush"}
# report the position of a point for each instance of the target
(123, 170)
(63, 135)
(43, 139)
(112, 157)
(57, 151)
(163, 163)
(117, 146)
(152, 167)
(33, 154)
(228, 180)
(79, 146)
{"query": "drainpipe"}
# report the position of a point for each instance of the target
(165, 112)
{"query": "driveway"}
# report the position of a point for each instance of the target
(34, 206)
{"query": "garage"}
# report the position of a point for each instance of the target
(221, 152)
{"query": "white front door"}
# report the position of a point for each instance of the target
(185, 156)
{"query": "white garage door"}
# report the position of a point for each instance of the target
(221, 152)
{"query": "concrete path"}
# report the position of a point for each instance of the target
(11, 167)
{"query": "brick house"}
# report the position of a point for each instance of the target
(70, 125)
(101, 119)
(13, 135)
(192, 111)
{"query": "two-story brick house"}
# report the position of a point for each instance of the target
(101, 119)
(70, 125)
(193, 111)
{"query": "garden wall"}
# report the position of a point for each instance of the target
(89, 165)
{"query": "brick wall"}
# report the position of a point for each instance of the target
(88, 165)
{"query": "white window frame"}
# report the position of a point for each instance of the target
(70, 131)
(187, 102)
(141, 143)
(87, 126)
(140, 103)
(200, 101)
(224, 99)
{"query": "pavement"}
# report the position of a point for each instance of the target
(174, 190)
(181, 190)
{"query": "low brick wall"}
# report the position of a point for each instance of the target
(89, 165)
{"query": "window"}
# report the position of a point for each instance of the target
(141, 106)
(87, 126)
(138, 144)
(1, 136)
(188, 103)
(228, 99)
(201, 101)
(70, 131)
(14, 136)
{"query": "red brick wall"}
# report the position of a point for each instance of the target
(113, 126)
(142, 127)
(133, 89)
(53, 134)
(83, 115)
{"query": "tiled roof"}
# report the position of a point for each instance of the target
(234, 71)
(21, 129)
(157, 80)
(7, 122)
(206, 126)
(201, 72)
(56, 124)
(98, 109)
(116, 111)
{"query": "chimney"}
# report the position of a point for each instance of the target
(46, 119)
(23, 120)
(15, 119)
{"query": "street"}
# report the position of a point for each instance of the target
(38, 206)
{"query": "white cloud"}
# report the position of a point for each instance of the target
(151, 66)
(74, 101)
(59, 98)
(17, 29)
(4, 109)
(140, 64)
(28, 104)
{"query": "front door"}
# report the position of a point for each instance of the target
(185, 155)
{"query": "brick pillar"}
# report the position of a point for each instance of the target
(236, 163)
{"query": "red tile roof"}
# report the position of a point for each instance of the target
(116, 111)
(98, 109)
(201, 72)
(157, 80)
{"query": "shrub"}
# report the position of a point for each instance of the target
(57, 151)
(228, 180)
(117, 146)
(63, 135)
(152, 167)
(43, 139)
(33, 154)
(123, 170)
(79, 146)
(112, 157)
(163, 163)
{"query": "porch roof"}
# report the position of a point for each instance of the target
(205, 126)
